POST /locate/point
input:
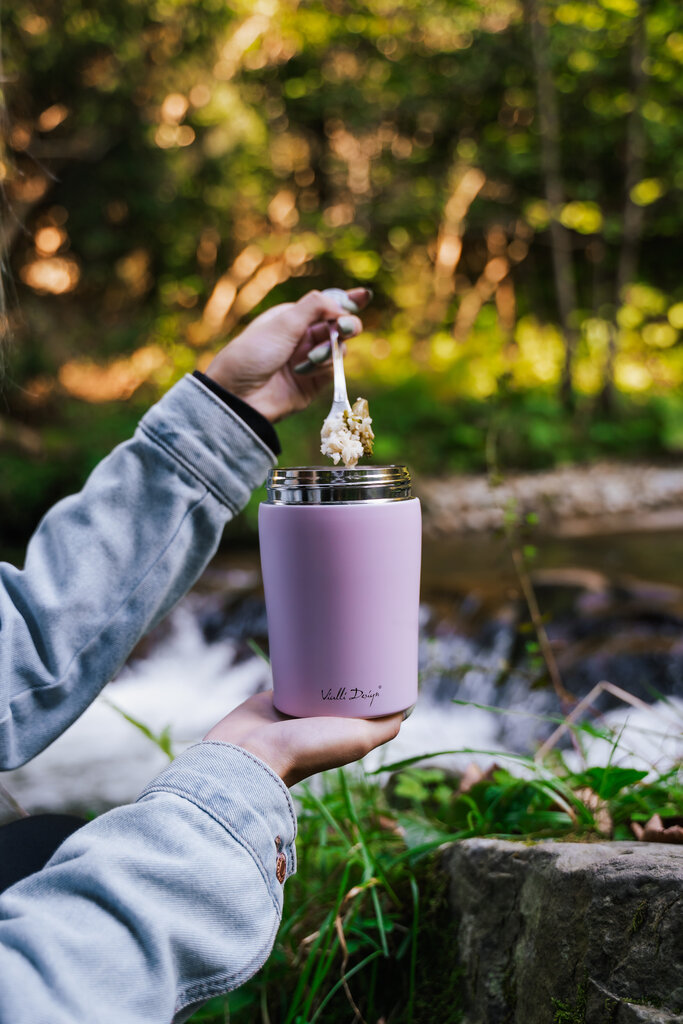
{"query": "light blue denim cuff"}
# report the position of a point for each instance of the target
(243, 795)
(210, 440)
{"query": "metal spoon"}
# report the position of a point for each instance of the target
(321, 353)
(340, 400)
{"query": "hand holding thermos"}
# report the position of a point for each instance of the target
(298, 747)
(340, 552)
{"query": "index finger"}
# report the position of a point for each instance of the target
(361, 296)
(311, 308)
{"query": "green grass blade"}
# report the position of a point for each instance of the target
(162, 741)
(326, 814)
(349, 974)
(409, 761)
(414, 928)
(323, 950)
(369, 861)
(258, 650)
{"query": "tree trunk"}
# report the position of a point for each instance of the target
(634, 156)
(560, 239)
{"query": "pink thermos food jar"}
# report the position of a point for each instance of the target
(340, 554)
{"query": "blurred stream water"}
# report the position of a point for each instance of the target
(603, 623)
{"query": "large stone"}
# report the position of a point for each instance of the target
(604, 497)
(568, 933)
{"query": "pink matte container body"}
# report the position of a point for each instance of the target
(342, 585)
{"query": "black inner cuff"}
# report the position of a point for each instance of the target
(258, 423)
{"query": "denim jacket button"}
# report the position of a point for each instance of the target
(281, 868)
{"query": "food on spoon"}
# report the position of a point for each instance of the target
(348, 436)
(359, 422)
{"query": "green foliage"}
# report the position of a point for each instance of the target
(161, 740)
(257, 650)
(663, 796)
(431, 437)
(157, 149)
(368, 871)
(40, 467)
(639, 917)
(353, 882)
(530, 430)
(609, 781)
(563, 1013)
(366, 922)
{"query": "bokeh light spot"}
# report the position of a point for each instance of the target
(55, 275)
(49, 239)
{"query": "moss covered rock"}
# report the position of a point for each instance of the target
(568, 933)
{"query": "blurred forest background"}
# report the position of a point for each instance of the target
(507, 175)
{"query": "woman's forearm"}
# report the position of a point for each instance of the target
(107, 563)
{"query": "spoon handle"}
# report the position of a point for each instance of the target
(341, 398)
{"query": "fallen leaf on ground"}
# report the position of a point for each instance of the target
(601, 814)
(656, 832)
(473, 774)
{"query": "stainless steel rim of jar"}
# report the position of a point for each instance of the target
(322, 485)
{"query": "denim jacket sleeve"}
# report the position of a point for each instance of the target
(105, 564)
(153, 908)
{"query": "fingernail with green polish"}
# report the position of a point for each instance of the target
(346, 325)
(321, 352)
(315, 357)
(306, 367)
(342, 299)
